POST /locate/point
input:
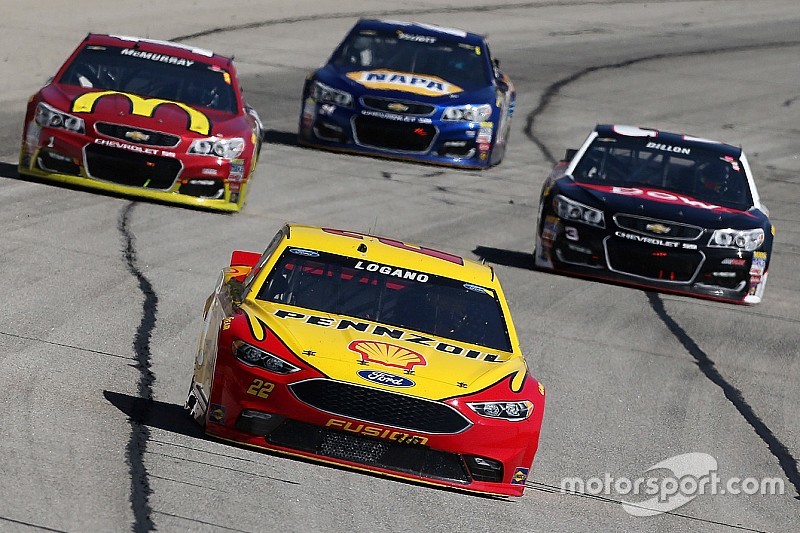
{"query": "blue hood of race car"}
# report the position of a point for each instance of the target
(660, 204)
(404, 86)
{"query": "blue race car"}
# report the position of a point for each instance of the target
(410, 91)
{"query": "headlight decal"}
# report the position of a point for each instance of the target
(568, 209)
(253, 356)
(747, 240)
(468, 113)
(48, 116)
(218, 147)
(328, 95)
(513, 411)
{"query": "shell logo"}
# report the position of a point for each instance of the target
(387, 354)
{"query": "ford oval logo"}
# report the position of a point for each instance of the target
(385, 378)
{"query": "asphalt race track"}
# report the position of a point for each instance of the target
(102, 296)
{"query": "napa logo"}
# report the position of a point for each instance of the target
(385, 378)
(389, 80)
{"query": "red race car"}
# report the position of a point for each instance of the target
(144, 118)
(369, 353)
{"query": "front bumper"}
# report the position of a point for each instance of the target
(406, 137)
(688, 268)
(481, 455)
(150, 173)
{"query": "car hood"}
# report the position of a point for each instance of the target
(386, 357)
(661, 204)
(403, 85)
(141, 112)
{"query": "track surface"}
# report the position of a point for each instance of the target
(102, 296)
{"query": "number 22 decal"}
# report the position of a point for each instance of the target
(260, 388)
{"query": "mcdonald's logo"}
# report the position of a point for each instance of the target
(144, 107)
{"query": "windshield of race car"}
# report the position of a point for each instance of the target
(152, 75)
(389, 295)
(457, 62)
(702, 174)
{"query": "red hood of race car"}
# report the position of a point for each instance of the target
(168, 116)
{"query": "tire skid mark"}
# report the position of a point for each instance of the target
(140, 433)
(553, 89)
(706, 365)
(415, 12)
(30, 525)
(62, 345)
(779, 450)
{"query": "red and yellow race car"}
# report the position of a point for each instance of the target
(370, 353)
(144, 118)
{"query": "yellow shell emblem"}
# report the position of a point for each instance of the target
(387, 354)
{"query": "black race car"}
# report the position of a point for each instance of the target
(659, 210)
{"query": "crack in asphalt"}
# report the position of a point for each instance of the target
(553, 89)
(706, 365)
(140, 433)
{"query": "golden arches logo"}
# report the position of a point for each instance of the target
(144, 107)
(387, 354)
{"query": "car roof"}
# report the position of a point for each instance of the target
(392, 252)
(669, 138)
(420, 28)
(160, 47)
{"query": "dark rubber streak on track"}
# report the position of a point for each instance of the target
(140, 433)
(62, 345)
(414, 12)
(543, 487)
(552, 90)
(776, 447)
(196, 521)
(36, 527)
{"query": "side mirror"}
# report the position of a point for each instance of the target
(570, 153)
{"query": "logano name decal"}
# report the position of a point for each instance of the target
(404, 81)
(659, 196)
(391, 332)
(392, 271)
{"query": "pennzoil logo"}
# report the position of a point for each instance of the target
(144, 107)
(373, 431)
(387, 354)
